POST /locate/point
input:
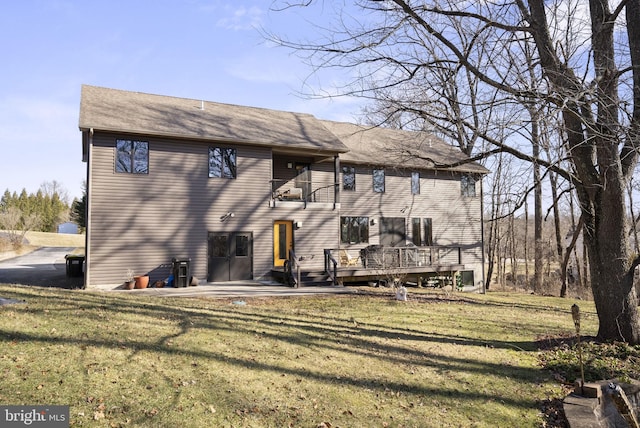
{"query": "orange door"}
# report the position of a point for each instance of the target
(282, 241)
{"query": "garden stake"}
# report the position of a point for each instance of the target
(575, 313)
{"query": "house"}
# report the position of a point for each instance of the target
(243, 192)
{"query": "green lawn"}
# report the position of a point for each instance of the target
(438, 360)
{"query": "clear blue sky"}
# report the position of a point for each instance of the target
(202, 49)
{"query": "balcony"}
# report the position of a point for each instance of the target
(302, 193)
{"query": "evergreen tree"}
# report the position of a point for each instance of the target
(6, 200)
(49, 208)
(79, 209)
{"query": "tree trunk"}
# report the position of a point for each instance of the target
(512, 250)
(567, 255)
(611, 269)
(632, 215)
(556, 213)
(526, 242)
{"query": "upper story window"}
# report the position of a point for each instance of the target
(354, 230)
(222, 162)
(378, 180)
(415, 183)
(467, 185)
(348, 178)
(132, 156)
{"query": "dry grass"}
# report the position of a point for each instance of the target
(42, 239)
(47, 239)
(343, 361)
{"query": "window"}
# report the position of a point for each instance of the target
(242, 245)
(222, 162)
(428, 231)
(219, 246)
(348, 178)
(354, 230)
(466, 277)
(416, 236)
(378, 180)
(467, 185)
(415, 183)
(421, 231)
(132, 157)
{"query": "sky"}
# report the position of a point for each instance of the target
(212, 50)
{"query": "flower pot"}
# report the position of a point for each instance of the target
(141, 281)
(128, 285)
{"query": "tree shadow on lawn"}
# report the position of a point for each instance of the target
(486, 300)
(309, 333)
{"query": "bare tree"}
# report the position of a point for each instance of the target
(17, 224)
(54, 187)
(590, 75)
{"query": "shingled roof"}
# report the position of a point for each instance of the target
(399, 149)
(115, 110)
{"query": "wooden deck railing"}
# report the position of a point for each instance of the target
(379, 257)
(379, 260)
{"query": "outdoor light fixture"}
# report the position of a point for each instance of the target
(227, 216)
(298, 224)
(373, 222)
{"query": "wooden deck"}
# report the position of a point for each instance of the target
(351, 274)
(422, 265)
(376, 263)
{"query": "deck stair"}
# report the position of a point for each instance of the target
(308, 278)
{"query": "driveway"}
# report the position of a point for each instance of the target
(45, 267)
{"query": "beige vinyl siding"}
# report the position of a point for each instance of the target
(141, 221)
(320, 222)
(456, 219)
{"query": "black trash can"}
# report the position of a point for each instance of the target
(181, 269)
(74, 265)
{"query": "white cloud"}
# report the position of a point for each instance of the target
(241, 18)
